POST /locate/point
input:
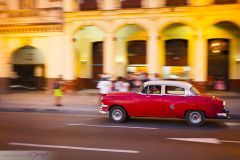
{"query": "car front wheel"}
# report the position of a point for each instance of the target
(117, 114)
(195, 118)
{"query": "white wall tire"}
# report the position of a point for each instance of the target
(195, 118)
(117, 114)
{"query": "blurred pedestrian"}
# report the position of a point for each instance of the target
(121, 85)
(104, 85)
(130, 79)
(136, 82)
(58, 87)
(155, 77)
(145, 77)
(118, 84)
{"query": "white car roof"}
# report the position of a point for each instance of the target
(171, 83)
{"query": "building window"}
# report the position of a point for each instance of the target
(173, 90)
(88, 5)
(137, 52)
(224, 1)
(176, 52)
(175, 3)
(131, 3)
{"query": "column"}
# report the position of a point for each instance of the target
(154, 3)
(108, 54)
(69, 5)
(5, 68)
(54, 58)
(13, 4)
(121, 57)
(107, 5)
(69, 62)
(200, 61)
(153, 58)
(234, 65)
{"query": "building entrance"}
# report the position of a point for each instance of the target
(27, 69)
(218, 64)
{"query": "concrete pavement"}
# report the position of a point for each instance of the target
(40, 101)
(84, 101)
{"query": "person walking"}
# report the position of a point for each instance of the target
(155, 77)
(121, 85)
(58, 87)
(104, 85)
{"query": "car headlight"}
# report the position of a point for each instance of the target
(224, 103)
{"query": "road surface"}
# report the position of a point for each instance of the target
(94, 137)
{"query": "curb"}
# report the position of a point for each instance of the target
(57, 111)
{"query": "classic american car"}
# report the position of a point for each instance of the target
(167, 99)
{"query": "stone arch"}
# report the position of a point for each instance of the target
(131, 48)
(178, 45)
(213, 22)
(88, 44)
(28, 64)
(124, 24)
(223, 43)
(17, 56)
(80, 26)
(166, 25)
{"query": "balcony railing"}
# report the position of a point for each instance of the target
(43, 14)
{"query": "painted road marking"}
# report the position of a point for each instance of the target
(75, 148)
(232, 124)
(204, 140)
(105, 126)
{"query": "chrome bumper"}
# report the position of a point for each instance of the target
(225, 114)
(101, 109)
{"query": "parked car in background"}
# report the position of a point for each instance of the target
(167, 99)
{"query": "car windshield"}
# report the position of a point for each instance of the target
(140, 89)
(194, 91)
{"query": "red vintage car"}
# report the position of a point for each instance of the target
(167, 99)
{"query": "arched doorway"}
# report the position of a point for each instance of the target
(131, 51)
(218, 61)
(27, 69)
(223, 38)
(89, 51)
(178, 53)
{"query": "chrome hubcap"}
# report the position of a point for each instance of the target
(117, 114)
(195, 117)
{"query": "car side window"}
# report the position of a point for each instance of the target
(174, 90)
(155, 89)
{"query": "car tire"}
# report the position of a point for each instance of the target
(195, 118)
(117, 114)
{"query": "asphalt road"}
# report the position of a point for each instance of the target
(94, 137)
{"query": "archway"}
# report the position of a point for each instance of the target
(27, 69)
(130, 47)
(89, 51)
(178, 51)
(223, 42)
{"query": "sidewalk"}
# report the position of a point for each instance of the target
(40, 101)
(84, 101)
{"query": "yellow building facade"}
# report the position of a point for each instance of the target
(196, 40)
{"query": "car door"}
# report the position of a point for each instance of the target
(149, 103)
(174, 101)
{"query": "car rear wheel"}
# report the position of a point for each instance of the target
(117, 114)
(195, 118)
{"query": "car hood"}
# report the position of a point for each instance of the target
(210, 97)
